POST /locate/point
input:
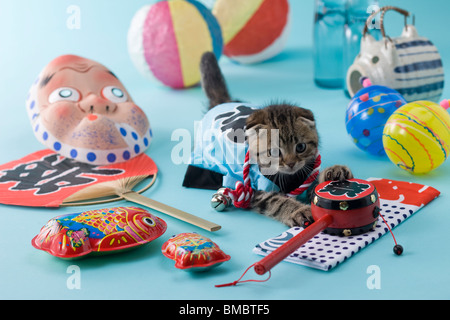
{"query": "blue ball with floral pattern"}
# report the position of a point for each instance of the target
(368, 112)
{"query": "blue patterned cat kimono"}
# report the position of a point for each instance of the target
(220, 148)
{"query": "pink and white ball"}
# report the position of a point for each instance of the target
(167, 39)
(253, 30)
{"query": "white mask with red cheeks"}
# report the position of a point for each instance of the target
(79, 109)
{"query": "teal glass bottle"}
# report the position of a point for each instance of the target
(329, 22)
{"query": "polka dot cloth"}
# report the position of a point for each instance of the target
(325, 251)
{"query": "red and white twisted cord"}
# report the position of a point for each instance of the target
(243, 192)
(241, 196)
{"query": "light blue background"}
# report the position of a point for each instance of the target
(34, 32)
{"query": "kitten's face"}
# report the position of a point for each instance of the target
(282, 139)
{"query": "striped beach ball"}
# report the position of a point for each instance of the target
(167, 39)
(253, 30)
(416, 137)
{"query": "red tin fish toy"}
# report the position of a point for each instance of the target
(98, 231)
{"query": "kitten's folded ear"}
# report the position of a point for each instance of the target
(305, 115)
(256, 119)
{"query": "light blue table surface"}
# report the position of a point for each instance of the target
(34, 32)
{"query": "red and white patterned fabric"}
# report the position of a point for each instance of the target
(398, 201)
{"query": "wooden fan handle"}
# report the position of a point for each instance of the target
(176, 213)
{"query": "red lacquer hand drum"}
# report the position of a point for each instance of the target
(353, 204)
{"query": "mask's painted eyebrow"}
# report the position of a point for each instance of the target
(46, 80)
(111, 73)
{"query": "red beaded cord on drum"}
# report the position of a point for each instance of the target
(239, 280)
(398, 249)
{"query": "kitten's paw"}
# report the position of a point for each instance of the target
(335, 173)
(301, 217)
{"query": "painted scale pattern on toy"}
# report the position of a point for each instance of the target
(76, 235)
(193, 251)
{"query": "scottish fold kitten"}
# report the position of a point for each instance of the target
(295, 149)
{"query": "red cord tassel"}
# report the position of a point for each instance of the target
(239, 280)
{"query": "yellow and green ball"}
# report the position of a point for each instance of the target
(416, 136)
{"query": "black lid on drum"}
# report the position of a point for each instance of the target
(344, 195)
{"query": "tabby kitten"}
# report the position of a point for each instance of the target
(296, 149)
